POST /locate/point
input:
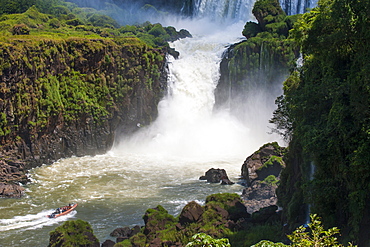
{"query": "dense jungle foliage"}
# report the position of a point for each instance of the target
(325, 113)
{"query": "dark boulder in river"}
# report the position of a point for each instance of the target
(215, 176)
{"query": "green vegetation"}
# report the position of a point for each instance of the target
(74, 78)
(271, 180)
(325, 113)
(58, 18)
(266, 56)
(222, 220)
(255, 233)
(271, 19)
(73, 233)
(203, 240)
(213, 223)
(314, 235)
(273, 160)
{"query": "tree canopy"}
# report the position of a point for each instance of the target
(325, 110)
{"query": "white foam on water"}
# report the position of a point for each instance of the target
(33, 221)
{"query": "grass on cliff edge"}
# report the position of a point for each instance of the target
(43, 26)
(38, 26)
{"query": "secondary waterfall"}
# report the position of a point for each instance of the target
(292, 7)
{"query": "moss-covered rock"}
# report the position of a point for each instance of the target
(262, 61)
(219, 217)
(268, 12)
(73, 233)
(268, 160)
(190, 213)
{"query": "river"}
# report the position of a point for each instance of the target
(160, 164)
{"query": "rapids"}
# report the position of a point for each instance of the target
(160, 164)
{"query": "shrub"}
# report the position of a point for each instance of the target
(315, 235)
(204, 240)
(20, 29)
(54, 23)
(74, 22)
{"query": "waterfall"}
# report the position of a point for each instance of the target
(187, 125)
(240, 10)
(292, 7)
(311, 173)
(224, 10)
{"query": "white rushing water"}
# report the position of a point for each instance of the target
(292, 7)
(224, 10)
(160, 164)
(187, 126)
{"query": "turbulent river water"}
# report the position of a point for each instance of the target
(160, 164)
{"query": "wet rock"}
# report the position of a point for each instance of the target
(215, 176)
(265, 215)
(156, 219)
(261, 171)
(124, 233)
(232, 203)
(226, 181)
(120, 239)
(121, 232)
(136, 229)
(259, 195)
(218, 211)
(12, 171)
(268, 160)
(191, 213)
(108, 243)
(11, 190)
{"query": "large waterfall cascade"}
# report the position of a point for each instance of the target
(227, 10)
(224, 10)
(162, 162)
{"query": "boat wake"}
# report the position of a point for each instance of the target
(32, 221)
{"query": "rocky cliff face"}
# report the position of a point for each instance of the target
(262, 171)
(69, 97)
(253, 65)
